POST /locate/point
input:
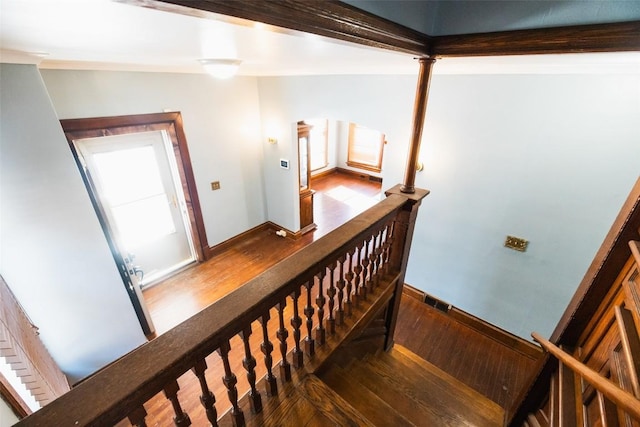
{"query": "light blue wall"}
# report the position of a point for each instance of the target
(54, 255)
(221, 124)
(379, 102)
(549, 158)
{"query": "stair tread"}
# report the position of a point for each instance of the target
(418, 407)
(330, 404)
(440, 396)
(309, 402)
(364, 400)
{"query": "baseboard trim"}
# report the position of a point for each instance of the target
(506, 338)
(223, 246)
(357, 174)
(323, 174)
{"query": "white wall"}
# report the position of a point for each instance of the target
(7, 417)
(54, 255)
(221, 124)
(379, 102)
(549, 158)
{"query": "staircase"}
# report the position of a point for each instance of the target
(395, 388)
(591, 376)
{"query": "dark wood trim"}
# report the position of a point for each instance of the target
(329, 18)
(341, 21)
(623, 36)
(323, 174)
(13, 399)
(357, 174)
(419, 111)
(172, 122)
(414, 293)
(117, 125)
(235, 240)
(125, 385)
(481, 326)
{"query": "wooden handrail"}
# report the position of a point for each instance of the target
(635, 250)
(625, 400)
(123, 387)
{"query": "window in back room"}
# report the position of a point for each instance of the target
(365, 148)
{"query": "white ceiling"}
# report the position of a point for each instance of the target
(104, 35)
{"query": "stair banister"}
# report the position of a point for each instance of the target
(121, 389)
(623, 399)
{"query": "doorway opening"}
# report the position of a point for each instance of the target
(342, 167)
(138, 175)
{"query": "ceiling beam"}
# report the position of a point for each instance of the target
(329, 18)
(615, 37)
(337, 20)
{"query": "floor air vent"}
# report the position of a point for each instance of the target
(437, 304)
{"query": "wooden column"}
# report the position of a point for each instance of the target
(419, 110)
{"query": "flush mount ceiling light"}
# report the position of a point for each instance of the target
(221, 68)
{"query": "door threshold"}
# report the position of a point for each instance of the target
(165, 274)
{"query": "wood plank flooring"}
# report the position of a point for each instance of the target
(339, 197)
(495, 370)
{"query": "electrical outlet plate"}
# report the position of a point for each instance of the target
(215, 185)
(516, 243)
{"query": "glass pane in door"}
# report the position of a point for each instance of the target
(133, 189)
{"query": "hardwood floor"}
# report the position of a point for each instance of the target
(472, 358)
(490, 367)
(339, 197)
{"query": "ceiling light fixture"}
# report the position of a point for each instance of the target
(221, 68)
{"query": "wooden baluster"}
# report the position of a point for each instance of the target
(340, 285)
(371, 243)
(372, 262)
(378, 258)
(207, 399)
(296, 322)
(309, 343)
(171, 392)
(365, 269)
(229, 380)
(137, 417)
(331, 293)
(270, 382)
(249, 364)
(320, 301)
(358, 272)
(283, 334)
(388, 244)
(351, 298)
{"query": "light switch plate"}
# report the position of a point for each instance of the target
(215, 185)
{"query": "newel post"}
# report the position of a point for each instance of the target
(402, 236)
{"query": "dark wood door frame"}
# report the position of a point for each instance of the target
(171, 122)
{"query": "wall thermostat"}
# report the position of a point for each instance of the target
(284, 164)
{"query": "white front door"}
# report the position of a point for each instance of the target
(135, 179)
